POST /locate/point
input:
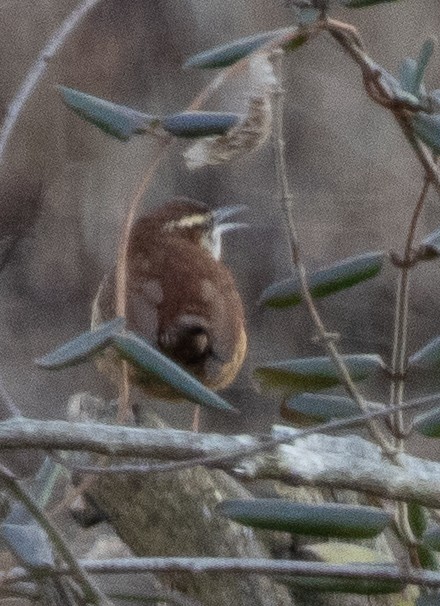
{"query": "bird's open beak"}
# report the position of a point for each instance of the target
(220, 214)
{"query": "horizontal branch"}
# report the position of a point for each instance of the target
(348, 462)
(21, 432)
(264, 566)
(296, 456)
(117, 440)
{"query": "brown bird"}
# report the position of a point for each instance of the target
(180, 295)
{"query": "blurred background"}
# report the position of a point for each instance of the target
(64, 185)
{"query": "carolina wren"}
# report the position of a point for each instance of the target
(180, 295)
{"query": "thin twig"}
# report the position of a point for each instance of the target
(376, 572)
(91, 592)
(38, 69)
(399, 353)
(287, 201)
(379, 93)
(124, 411)
(423, 154)
(377, 90)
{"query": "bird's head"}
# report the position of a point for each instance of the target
(195, 221)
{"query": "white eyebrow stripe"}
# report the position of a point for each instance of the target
(188, 221)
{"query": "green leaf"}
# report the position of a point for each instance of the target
(434, 99)
(83, 347)
(117, 120)
(324, 282)
(422, 63)
(338, 585)
(431, 538)
(29, 544)
(153, 363)
(427, 128)
(309, 408)
(313, 374)
(412, 71)
(427, 558)
(417, 519)
(430, 246)
(200, 124)
(428, 424)
(227, 54)
(407, 74)
(363, 3)
(428, 357)
(325, 520)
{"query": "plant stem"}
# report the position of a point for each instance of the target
(38, 69)
(399, 353)
(286, 197)
(92, 594)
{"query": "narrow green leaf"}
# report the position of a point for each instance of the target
(412, 71)
(324, 282)
(118, 120)
(431, 538)
(82, 347)
(407, 75)
(428, 424)
(313, 374)
(313, 408)
(338, 585)
(29, 544)
(434, 99)
(430, 246)
(200, 124)
(427, 558)
(227, 54)
(153, 363)
(427, 128)
(422, 63)
(428, 357)
(325, 520)
(417, 519)
(363, 3)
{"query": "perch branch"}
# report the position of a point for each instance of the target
(413, 479)
(21, 432)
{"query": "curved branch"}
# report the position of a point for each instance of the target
(39, 67)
